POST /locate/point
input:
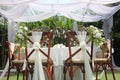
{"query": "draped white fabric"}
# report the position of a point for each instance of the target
(38, 69)
(38, 10)
(84, 47)
(13, 2)
(80, 10)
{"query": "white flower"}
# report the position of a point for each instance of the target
(25, 28)
(22, 49)
(20, 31)
(17, 44)
(20, 36)
(95, 31)
(101, 43)
(97, 35)
(91, 26)
(21, 27)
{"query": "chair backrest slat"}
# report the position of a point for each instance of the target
(46, 38)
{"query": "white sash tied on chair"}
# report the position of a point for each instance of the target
(38, 69)
(81, 37)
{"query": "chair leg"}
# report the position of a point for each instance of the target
(112, 70)
(105, 74)
(71, 73)
(26, 73)
(64, 72)
(83, 75)
(18, 75)
(23, 72)
(96, 70)
(8, 73)
(96, 75)
(52, 75)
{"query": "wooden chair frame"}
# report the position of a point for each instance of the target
(48, 66)
(105, 61)
(69, 63)
(17, 64)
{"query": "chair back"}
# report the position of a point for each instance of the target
(73, 39)
(45, 40)
(13, 51)
(104, 51)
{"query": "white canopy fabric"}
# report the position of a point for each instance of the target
(37, 10)
(15, 2)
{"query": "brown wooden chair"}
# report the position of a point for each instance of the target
(46, 63)
(104, 61)
(70, 64)
(15, 60)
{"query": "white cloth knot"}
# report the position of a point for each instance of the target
(83, 45)
(36, 45)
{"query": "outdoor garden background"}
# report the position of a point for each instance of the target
(52, 23)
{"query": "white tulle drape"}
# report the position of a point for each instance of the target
(38, 69)
(80, 10)
(82, 37)
(13, 2)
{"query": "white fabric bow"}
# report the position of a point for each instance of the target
(38, 69)
(81, 37)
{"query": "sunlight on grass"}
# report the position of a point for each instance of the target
(13, 77)
(110, 77)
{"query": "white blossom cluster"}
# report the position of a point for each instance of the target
(96, 35)
(21, 37)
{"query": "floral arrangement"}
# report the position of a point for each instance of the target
(21, 37)
(95, 34)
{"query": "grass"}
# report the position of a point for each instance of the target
(110, 77)
(117, 75)
(13, 77)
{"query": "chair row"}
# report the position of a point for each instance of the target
(70, 65)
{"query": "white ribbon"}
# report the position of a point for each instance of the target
(38, 68)
(81, 37)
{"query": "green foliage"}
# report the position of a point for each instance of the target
(95, 35)
(22, 36)
(58, 25)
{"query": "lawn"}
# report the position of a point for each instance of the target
(117, 74)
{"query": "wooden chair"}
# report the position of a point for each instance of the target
(105, 60)
(15, 60)
(71, 65)
(46, 63)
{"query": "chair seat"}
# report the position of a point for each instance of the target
(75, 62)
(44, 62)
(18, 61)
(100, 59)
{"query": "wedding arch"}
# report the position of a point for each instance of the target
(38, 10)
(16, 11)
